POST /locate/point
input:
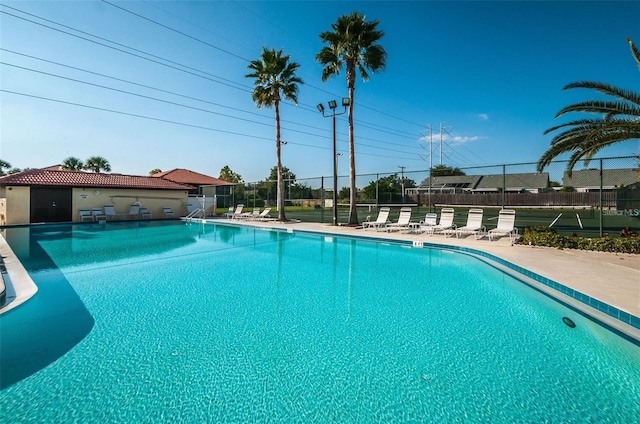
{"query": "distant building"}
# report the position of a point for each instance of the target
(514, 183)
(589, 179)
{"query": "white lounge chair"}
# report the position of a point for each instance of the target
(404, 220)
(445, 225)
(228, 213)
(381, 221)
(264, 215)
(250, 215)
(506, 225)
(85, 215)
(168, 212)
(98, 215)
(134, 210)
(474, 224)
(110, 212)
(145, 213)
(236, 214)
(430, 220)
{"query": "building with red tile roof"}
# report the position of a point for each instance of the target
(50, 178)
(186, 176)
(49, 195)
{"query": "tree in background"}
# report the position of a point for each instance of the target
(300, 191)
(268, 190)
(391, 185)
(97, 164)
(4, 165)
(226, 174)
(155, 171)
(275, 76)
(445, 171)
(619, 121)
(72, 164)
(344, 193)
(353, 43)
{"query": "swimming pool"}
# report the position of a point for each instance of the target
(157, 322)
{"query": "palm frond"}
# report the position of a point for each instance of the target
(583, 138)
(634, 51)
(611, 108)
(608, 89)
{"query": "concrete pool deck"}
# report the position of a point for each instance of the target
(608, 277)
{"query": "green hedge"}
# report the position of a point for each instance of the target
(628, 242)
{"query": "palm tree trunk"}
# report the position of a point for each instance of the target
(353, 212)
(280, 183)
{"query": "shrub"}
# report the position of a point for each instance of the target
(628, 242)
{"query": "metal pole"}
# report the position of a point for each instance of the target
(600, 200)
(377, 192)
(322, 199)
(335, 174)
(504, 182)
(402, 168)
(430, 161)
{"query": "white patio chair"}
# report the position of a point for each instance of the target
(446, 225)
(404, 220)
(382, 220)
(85, 215)
(473, 226)
(506, 225)
(168, 212)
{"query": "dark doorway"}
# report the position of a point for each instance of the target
(50, 204)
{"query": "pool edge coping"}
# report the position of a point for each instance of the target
(20, 287)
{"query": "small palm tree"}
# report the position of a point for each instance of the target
(72, 164)
(353, 43)
(275, 77)
(97, 164)
(619, 121)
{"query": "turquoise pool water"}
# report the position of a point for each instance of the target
(156, 322)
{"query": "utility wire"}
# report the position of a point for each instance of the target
(175, 30)
(230, 83)
(154, 61)
(172, 93)
(173, 122)
(309, 108)
(240, 57)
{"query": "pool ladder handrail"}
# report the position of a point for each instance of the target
(193, 213)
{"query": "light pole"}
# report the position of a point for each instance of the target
(333, 105)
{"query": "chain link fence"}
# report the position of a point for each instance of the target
(599, 197)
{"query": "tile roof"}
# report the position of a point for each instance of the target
(47, 177)
(186, 176)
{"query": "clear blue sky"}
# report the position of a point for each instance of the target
(493, 72)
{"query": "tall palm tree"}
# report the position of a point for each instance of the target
(97, 164)
(72, 164)
(274, 78)
(353, 43)
(619, 121)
